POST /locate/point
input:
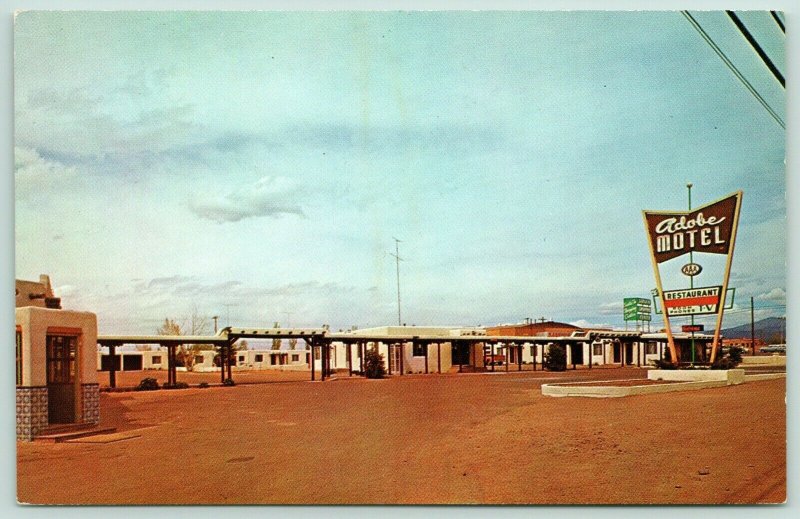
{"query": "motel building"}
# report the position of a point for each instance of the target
(56, 371)
(205, 361)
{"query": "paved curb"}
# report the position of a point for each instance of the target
(575, 389)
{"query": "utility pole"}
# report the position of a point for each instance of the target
(398, 259)
(752, 328)
(216, 317)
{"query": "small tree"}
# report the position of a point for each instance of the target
(293, 343)
(373, 364)
(556, 358)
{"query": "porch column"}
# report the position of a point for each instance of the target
(519, 357)
(112, 372)
(228, 361)
(639, 354)
(312, 363)
(362, 347)
(572, 354)
(402, 354)
(222, 360)
(621, 354)
(439, 357)
(492, 355)
(425, 347)
(349, 358)
(535, 352)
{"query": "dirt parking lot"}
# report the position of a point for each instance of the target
(469, 438)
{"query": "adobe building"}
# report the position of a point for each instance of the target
(56, 362)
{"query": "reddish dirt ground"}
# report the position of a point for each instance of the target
(469, 438)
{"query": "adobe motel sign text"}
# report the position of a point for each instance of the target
(693, 301)
(636, 309)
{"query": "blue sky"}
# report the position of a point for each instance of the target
(264, 161)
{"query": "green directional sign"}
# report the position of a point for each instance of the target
(636, 309)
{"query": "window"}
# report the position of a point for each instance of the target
(533, 350)
(316, 353)
(198, 359)
(259, 358)
(419, 350)
(597, 348)
(652, 348)
(19, 358)
(241, 358)
(156, 359)
(295, 358)
(61, 350)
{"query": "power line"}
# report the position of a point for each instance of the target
(733, 68)
(756, 47)
(778, 21)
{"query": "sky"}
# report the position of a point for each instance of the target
(258, 166)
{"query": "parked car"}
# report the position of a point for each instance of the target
(774, 348)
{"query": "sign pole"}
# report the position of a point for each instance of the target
(724, 294)
(670, 339)
(691, 278)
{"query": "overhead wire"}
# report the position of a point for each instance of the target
(733, 68)
(778, 21)
(756, 47)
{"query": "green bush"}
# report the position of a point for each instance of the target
(176, 385)
(664, 364)
(735, 354)
(556, 358)
(147, 384)
(228, 382)
(373, 364)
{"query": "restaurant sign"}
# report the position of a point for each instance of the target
(693, 301)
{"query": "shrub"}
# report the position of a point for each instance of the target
(664, 364)
(147, 384)
(203, 385)
(176, 385)
(373, 364)
(556, 358)
(735, 354)
(228, 382)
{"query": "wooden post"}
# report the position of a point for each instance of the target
(439, 357)
(535, 352)
(425, 346)
(572, 354)
(639, 354)
(222, 361)
(508, 355)
(349, 358)
(312, 363)
(402, 353)
(362, 346)
(621, 354)
(231, 357)
(112, 370)
(492, 356)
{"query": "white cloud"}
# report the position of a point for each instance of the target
(269, 196)
(614, 308)
(35, 174)
(776, 294)
(583, 323)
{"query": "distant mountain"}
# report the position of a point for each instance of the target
(768, 330)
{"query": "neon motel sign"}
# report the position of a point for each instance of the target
(708, 229)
